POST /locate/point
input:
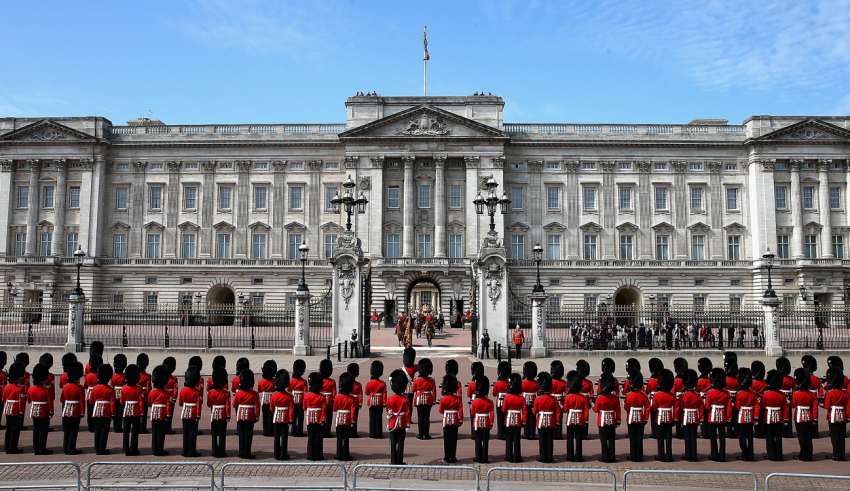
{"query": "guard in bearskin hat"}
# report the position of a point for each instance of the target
(102, 400)
(835, 404)
(607, 407)
(14, 403)
(170, 363)
(142, 361)
(160, 404)
(775, 406)
(246, 401)
(691, 414)
(424, 395)
(281, 408)
(326, 369)
(73, 401)
(576, 408)
(298, 389)
(783, 366)
(218, 400)
(315, 409)
(119, 363)
(482, 410)
(547, 412)
(451, 410)
(265, 388)
(663, 405)
(559, 391)
(757, 371)
(529, 392)
(353, 369)
(376, 399)
(398, 415)
(747, 410)
(132, 402)
(680, 367)
(804, 405)
(191, 402)
(515, 413)
(344, 414)
(655, 367)
(408, 360)
(500, 390)
(41, 409)
(732, 386)
(636, 409)
(718, 406)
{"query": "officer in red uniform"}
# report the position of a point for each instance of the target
(191, 402)
(398, 415)
(424, 395)
(575, 408)
(265, 388)
(757, 370)
(315, 408)
(298, 388)
(246, 402)
(73, 401)
(691, 414)
(376, 399)
(636, 409)
(559, 391)
(281, 408)
(344, 413)
(119, 363)
(326, 369)
(665, 410)
(41, 409)
(515, 413)
(529, 392)
(655, 367)
(783, 366)
(804, 405)
(482, 419)
(14, 402)
(353, 369)
(218, 400)
(607, 407)
(451, 409)
(775, 407)
(747, 407)
(718, 406)
(90, 381)
(835, 403)
(547, 412)
(160, 404)
(102, 401)
(142, 361)
(500, 389)
(132, 401)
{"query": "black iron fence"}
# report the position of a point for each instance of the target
(34, 324)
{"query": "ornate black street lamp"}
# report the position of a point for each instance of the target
(79, 255)
(769, 297)
(491, 202)
(537, 254)
(303, 250)
(352, 205)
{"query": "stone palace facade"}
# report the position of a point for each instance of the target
(675, 214)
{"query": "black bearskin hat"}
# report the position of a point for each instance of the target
(632, 366)
(837, 379)
(732, 369)
(376, 371)
(66, 361)
(346, 383)
(544, 382)
(192, 377)
(46, 359)
(802, 379)
(655, 366)
(503, 370)
(142, 361)
(269, 369)
(608, 365)
(835, 361)
(197, 362)
(690, 379)
(575, 383)
(482, 385)
(281, 380)
(809, 363)
(326, 368)
(583, 368)
(16, 371)
(170, 364)
(408, 357)
(39, 374)
(426, 368)
(314, 382)
(529, 370)
(606, 383)
(353, 369)
(104, 374)
(451, 367)
(556, 368)
(665, 380)
(119, 362)
(757, 370)
(718, 378)
(219, 378)
(704, 366)
(96, 348)
(75, 371)
(299, 366)
(23, 359)
(515, 384)
(131, 375)
(94, 362)
(680, 366)
(774, 380)
(636, 382)
(783, 366)
(398, 381)
(729, 357)
(242, 364)
(4, 358)
(745, 378)
(159, 377)
(449, 384)
(476, 369)
(219, 362)
(246, 379)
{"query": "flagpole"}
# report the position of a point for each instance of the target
(425, 58)
(425, 77)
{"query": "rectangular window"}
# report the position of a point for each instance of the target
(699, 303)
(553, 197)
(810, 246)
(121, 194)
(23, 195)
(330, 194)
(782, 250)
(660, 198)
(553, 246)
(695, 166)
(808, 197)
(294, 243)
(258, 246)
(47, 196)
(151, 299)
(517, 198)
(659, 166)
(187, 245)
(296, 197)
(20, 243)
(225, 197)
(393, 246)
(553, 303)
(835, 197)
(424, 194)
(190, 197)
(155, 197)
(455, 246)
(518, 246)
(838, 246)
(330, 245)
(698, 247)
(44, 247)
(733, 247)
(588, 165)
(71, 241)
(780, 194)
(423, 245)
(152, 247)
(662, 247)
(393, 197)
(455, 196)
(624, 165)
(222, 245)
(588, 198)
(626, 242)
(261, 197)
(117, 298)
(589, 302)
(74, 197)
(590, 246)
(696, 198)
(731, 198)
(119, 245)
(625, 197)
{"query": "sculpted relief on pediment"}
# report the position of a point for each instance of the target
(425, 125)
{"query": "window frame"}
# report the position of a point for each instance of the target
(193, 245)
(426, 187)
(459, 197)
(221, 187)
(150, 243)
(119, 190)
(186, 197)
(151, 188)
(71, 205)
(289, 202)
(810, 199)
(667, 242)
(558, 196)
(590, 240)
(45, 194)
(397, 193)
(22, 197)
(257, 188)
(228, 244)
(665, 191)
(736, 191)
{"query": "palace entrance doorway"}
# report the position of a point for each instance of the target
(626, 306)
(220, 305)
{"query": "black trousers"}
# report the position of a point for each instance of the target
(130, 441)
(267, 420)
(280, 433)
(717, 435)
(158, 430)
(500, 424)
(546, 443)
(70, 430)
(40, 427)
(89, 423)
(838, 433)
(513, 447)
(788, 429)
(397, 446)
(449, 443)
(423, 420)
(354, 433)
(328, 411)
(315, 441)
(143, 423)
(118, 419)
(482, 445)
(298, 421)
(169, 428)
(190, 437)
(653, 425)
(745, 440)
(530, 424)
(218, 434)
(636, 441)
(804, 437)
(343, 434)
(575, 436)
(376, 422)
(773, 440)
(101, 435)
(690, 436)
(664, 435)
(559, 429)
(13, 433)
(518, 350)
(607, 435)
(245, 431)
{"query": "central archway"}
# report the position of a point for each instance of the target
(220, 304)
(626, 306)
(424, 291)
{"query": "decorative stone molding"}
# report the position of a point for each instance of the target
(824, 165)
(471, 161)
(377, 161)
(768, 165)
(364, 183)
(494, 275)
(154, 226)
(7, 165)
(679, 166)
(258, 225)
(408, 161)
(571, 166)
(714, 166)
(534, 165)
(223, 225)
(189, 226)
(606, 165)
(346, 274)
(439, 159)
(140, 166)
(34, 165)
(425, 125)
(316, 165)
(60, 164)
(796, 164)
(279, 165)
(644, 166)
(174, 165)
(244, 165)
(499, 162)
(350, 161)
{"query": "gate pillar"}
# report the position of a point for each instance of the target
(538, 325)
(302, 345)
(76, 304)
(492, 284)
(348, 270)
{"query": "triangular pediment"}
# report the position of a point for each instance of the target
(188, 225)
(699, 227)
(46, 131)
(627, 227)
(153, 225)
(554, 227)
(806, 131)
(591, 227)
(662, 226)
(423, 122)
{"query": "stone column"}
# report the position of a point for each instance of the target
(302, 324)
(716, 201)
(823, 205)
(538, 326)
(407, 247)
(278, 210)
(645, 195)
(607, 213)
(796, 204)
(172, 212)
(207, 212)
(7, 206)
(678, 200)
(572, 241)
(375, 208)
(96, 212)
(772, 346)
(348, 269)
(57, 248)
(32, 208)
(136, 236)
(76, 306)
(470, 192)
(244, 200)
(439, 206)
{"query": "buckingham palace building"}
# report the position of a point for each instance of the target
(675, 214)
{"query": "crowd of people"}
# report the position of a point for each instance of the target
(712, 402)
(667, 335)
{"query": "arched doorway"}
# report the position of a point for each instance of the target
(220, 302)
(626, 306)
(424, 291)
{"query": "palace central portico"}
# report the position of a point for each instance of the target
(674, 214)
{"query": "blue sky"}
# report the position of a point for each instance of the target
(271, 61)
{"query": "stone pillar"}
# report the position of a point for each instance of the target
(7, 206)
(207, 213)
(302, 324)
(470, 192)
(772, 347)
(32, 209)
(439, 206)
(645, 195)
(824, 208)
(57, 248)
(409, 207)
(796, 204)
(136, 236)
(492, 276)
(97, 213)
(348, 270)
(606, 203)
(278, 210)
(375, 208)
(76, 306)
(244, 200)
(538, 326)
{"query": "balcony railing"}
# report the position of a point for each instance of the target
(422, 261)
(231, 129)
(210, 261)
(622, 129)
(616, 263)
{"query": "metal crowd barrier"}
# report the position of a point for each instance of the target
(494, 482)
(379, 477)
(779, 475)
(283, 476)
(150, 475)
(40, 475)
(686, 474)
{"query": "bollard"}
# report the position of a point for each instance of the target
(30, 338)
(338, 351)
(508, 349)
(345, 344)
(497, 352)
(329, 352)
(166, 336)
(253, 341)
(124, 341)
(209, 337)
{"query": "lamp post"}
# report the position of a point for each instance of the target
(491, 202)
(803, 294)
(79, 255)
(352, 205)
(303, 250)
(537, 253)
(769, 297)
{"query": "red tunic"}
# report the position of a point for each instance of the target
(678, 386)
(576, 402)
(559, 389)
(316, 402)
(836, 398)
(219, 397)
(651, 385)
(144, 382)
(529, 391)
(171, 387)
(39, 395)
(248, 398)
(546, 403)
(424, 391)
(691, 401)
(102, 392)
(483, 405)
(616, 387)
(14, 393)
(470, 390)
(376, 393)
(500, 388)
(718, 405)
(804, 406)
(51, 385)
(329, 391)
(297, 384)
(63, 379)
(398, 412)
(357, 394)
(703, 385)
(759, 386)
(815, 386)
(732, 384)
(665, 400)
(284, 400)
(775, 399)
(451, 402)
(265, 388)
(636, 399)
(345, 410)
(134, 395)
(514, 402)
(191, 395)
(410, 372)
(607, 402)
(73, 392)
(748, 398)
(161, 397)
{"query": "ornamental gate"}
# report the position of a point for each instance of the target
(366, 320)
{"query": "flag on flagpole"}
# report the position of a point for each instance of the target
(425, 55)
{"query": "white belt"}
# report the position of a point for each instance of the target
(635, 415)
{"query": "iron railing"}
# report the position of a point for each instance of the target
(34, 324)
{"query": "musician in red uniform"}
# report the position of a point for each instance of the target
(783, 366)
(547, 411)
(576, 409)
(326, 369)
(748, 408)
(247, 405)
(665, 408)
(353, 369)
(142, 362)
(132, 401)
(298, 388)
(500, 389)
(559, 391)
(119, 363)
(218, 400)
(41, 409)
(281, 408)
(102, 400)
(376, 399)
(160, 404)
(191, 402)
(636, 409)
(607, 407)
(398, 416)
(451, 409)
(835, 404)
(655, 367)
(692, 412)
(482, 419)
(14, 403)
(73, 401)
(315, 408)
(775, 407)
(804, 405)
(170, 363)
(424, 395)
(265, 388)
(89, 382)
(718, 406)
(529, 392)
(344, 410)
